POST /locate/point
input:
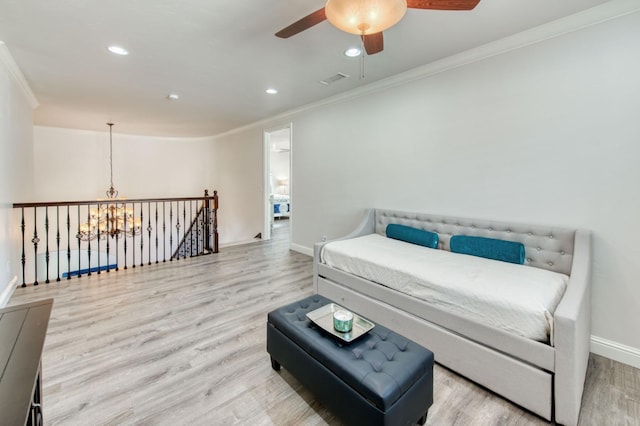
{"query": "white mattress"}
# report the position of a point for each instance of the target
(515, 298)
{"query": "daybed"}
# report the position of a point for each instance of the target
(542, 374)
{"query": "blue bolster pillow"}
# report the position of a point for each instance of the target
(490, 248)
(412, 235)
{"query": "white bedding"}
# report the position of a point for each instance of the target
(515, 298)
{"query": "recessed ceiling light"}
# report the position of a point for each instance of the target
(173, 96)
(271, 91)
(118, 50)
(353, 52)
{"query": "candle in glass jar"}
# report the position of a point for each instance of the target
(342, 320)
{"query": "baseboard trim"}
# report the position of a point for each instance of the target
(615, 351)
(8, 292)
(301, 249)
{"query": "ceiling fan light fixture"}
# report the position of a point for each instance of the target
(363, 17)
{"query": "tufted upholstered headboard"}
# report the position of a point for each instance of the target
(546, 247)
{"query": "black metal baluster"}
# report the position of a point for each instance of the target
(98, 237)
(171, 230)
(133, 234)
(113, 231)
(46, 250)
(191, 228)
(58, 242)
(207, 222)
(164, 231)
(141, 236)
(35, 240)
(23, 258)
(78, 238)
(108, 237)
(68, 244)
(124, 236)
(149, 229)
(184, 231)
(88, 239)
(157, 232)
(177, 230)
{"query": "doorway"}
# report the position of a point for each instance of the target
(277, 179)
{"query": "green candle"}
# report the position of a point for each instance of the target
(342, 320)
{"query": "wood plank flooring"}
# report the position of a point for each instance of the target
(184, 343)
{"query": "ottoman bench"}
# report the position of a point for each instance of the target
(382, 378)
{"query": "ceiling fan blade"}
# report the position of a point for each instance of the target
(303, 24)
(443, 4)
(373, 43)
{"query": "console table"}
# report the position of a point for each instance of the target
(22, 332)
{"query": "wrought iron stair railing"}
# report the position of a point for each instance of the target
(193, 240)
(77, 238)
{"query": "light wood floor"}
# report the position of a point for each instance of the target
(184, 343)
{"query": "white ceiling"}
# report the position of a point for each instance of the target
(220, 56)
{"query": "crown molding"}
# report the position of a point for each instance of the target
(16, 75)
(578, 21)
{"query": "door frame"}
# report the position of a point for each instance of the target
(266, 146)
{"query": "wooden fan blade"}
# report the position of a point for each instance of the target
(373, 43)
(443, 4)
(303, 24)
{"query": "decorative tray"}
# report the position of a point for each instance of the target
(323, 318)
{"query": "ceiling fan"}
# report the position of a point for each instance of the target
(368, 18)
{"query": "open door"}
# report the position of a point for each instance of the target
(277, 180)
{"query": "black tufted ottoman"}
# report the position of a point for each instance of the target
(382, 378)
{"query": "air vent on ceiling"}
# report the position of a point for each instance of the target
(333, 78)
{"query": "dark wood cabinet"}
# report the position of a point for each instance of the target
(22, 332)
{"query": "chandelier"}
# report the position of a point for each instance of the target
(112, 217)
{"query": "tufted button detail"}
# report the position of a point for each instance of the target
(562, 253)
(491, 228)
(473, 226)
(528, 260)
(551, 236)
(550, 263)
(508, 231)
(539, 249)
(449, 233)
(529, 234)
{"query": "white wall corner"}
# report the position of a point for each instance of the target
(16, 74)
(615, 351)
(6, 294)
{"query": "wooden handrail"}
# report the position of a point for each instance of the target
(214, 198)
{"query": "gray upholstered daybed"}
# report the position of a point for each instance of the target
(546, 377)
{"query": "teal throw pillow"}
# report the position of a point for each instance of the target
(490, 248)
(412, 235)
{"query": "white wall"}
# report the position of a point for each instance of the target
(16, 166)
(546, 133)
(74, 165)
(239, 170)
